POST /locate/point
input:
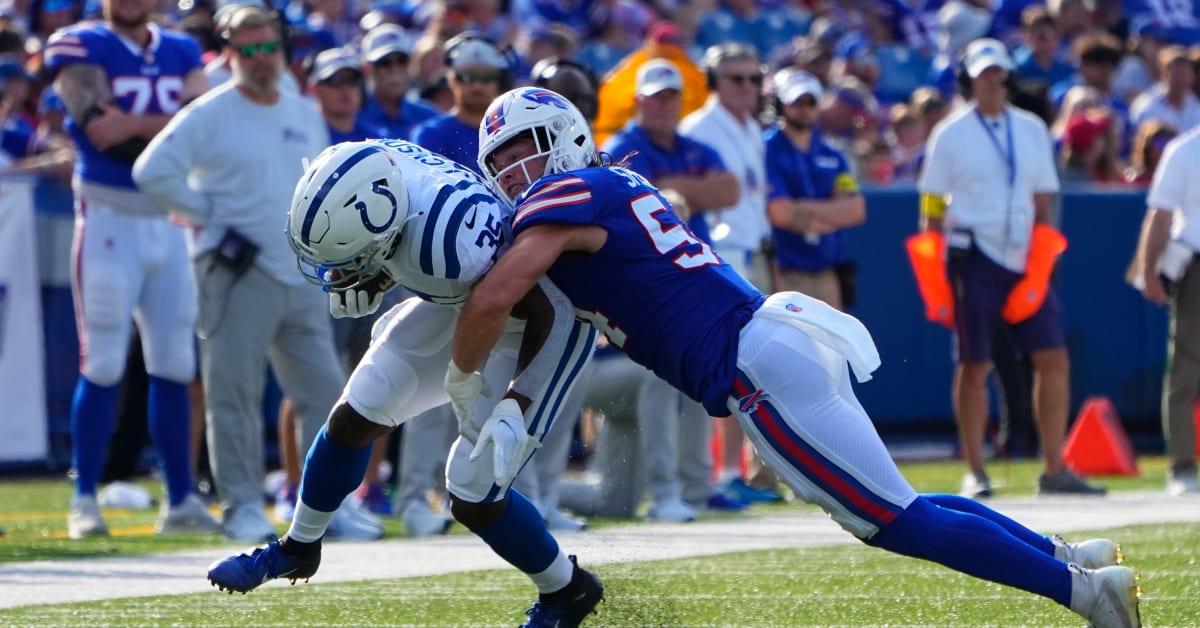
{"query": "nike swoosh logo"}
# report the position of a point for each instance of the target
(470, 222)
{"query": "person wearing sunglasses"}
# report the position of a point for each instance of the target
(477, 71)
(727, 122)
(220, 69)
(387, 49)
(336, 82)
(228, 165)
(121, 79)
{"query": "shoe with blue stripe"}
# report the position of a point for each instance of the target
(245, 572)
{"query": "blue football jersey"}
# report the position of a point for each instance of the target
(646, 158)
(144, 81)
(657, 291)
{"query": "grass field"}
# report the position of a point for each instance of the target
(827, 586)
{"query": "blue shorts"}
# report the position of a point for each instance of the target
(981, 288)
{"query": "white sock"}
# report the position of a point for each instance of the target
(308, 524)
(556, 576)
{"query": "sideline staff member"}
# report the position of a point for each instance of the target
(1173, 202)
(996, 198)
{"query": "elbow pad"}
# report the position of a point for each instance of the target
(128, 151)
(125, 152)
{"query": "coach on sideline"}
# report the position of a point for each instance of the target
(994, 164)
(228, 163)
(1167, 253)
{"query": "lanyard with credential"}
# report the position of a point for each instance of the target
(1009, 156)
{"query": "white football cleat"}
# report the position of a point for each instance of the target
(247, 523)
(1108, 597)
(351, 523)
(421, 520)
(1090, 554)
(671, 510)
(84, 518)
(189, 517)
(559, 521)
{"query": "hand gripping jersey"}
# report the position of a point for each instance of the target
(456, 227)
(659, 293)
(144, 81)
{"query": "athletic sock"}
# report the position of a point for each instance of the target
(331, 471)
(93, 414)
(971, 506)
(171, 428)
(519, 536)
(975, 546)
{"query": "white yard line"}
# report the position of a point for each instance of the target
(63, 581)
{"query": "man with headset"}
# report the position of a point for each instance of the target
(727, 123)
(479, 70)
(987, 207)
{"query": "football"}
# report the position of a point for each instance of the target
(381, 282)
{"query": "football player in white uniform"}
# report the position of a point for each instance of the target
(370, 215)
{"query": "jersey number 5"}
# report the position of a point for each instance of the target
(669, 236)
(165, 90)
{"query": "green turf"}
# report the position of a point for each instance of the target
(33, 512)
(830, 586)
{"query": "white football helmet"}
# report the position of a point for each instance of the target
(557, 127)
(347, 214)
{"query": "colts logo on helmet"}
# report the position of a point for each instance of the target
(379, 187)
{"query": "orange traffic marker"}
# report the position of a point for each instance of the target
(1097, 444)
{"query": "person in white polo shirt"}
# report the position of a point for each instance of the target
(1167, 256)
(987, 206)
(727, 123)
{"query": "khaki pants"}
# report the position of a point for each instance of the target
(1181, 387)
(821, 285)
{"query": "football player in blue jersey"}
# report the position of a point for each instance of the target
(367, 216)
(121, 79)
(777, 363)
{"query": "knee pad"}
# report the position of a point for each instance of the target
(104, 370)
(172, 358)
(471, 481)
(380, 387)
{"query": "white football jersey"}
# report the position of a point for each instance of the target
(456, 227)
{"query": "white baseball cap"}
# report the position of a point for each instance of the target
(385, 39)
(656, 75)
(791, 84)
(330, 62)
(984, 53)
(475, 51)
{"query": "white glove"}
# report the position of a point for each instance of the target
(354, 303)
(465, 390)
(505, 431)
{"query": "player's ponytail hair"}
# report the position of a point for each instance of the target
(606, 160)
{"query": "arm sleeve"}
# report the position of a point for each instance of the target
(161, 172)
